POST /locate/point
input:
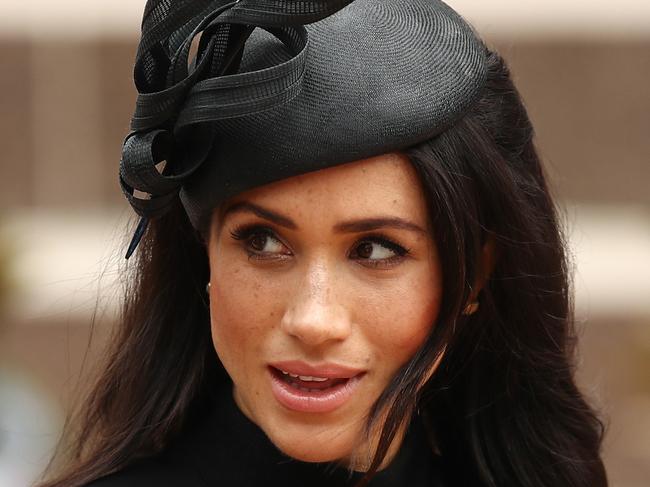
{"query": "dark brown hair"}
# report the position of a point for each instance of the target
(503, 407)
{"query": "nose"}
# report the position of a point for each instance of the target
(316, 315)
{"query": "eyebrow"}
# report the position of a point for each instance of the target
(350, 226)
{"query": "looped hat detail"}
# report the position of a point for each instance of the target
(279, 88)
(172, 96)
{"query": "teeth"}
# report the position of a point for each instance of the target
(309, 378)
(289, 373)
(306, 378)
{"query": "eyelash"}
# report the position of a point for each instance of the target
(245, 232)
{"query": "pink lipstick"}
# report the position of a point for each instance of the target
(313, 388)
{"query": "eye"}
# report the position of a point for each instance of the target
(378, 252)
(260, 242)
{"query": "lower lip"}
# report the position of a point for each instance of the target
(314, 401)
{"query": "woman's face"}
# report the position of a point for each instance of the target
(332, 277)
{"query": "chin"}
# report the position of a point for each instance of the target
(324, 445)
(311, 451)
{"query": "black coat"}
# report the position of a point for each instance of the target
(226, 449)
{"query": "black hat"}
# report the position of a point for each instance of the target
(283, 87)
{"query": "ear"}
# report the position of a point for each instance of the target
(485, 268)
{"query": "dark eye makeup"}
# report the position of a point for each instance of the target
(254, 238)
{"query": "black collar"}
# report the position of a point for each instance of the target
(226, 449)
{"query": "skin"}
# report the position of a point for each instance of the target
(310, 291)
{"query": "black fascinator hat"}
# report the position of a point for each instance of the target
(278, 88)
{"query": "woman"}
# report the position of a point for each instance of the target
(351, 270)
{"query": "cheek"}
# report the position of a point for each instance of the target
(399, 320)
(243, 309)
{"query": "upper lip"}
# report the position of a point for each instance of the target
(326, 369)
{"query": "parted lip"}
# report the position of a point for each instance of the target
(327, 369)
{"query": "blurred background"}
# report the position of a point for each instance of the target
(66, 97)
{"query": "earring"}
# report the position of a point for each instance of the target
(471, 308)
(207, 288)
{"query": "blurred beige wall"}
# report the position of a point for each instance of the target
(66, 96)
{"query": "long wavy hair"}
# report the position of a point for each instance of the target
(502, 407)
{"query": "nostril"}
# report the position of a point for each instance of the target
(316, 313)
(314, 323)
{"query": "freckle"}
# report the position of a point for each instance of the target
(394, 201)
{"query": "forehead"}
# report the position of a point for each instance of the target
(385, 184)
